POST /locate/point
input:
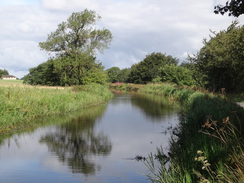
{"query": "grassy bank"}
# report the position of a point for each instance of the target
(19, 105)
(124, 87)
(208, 145)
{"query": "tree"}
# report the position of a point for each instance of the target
(74, 43)
(148, 69)
(43, 74)
(77, 35)
(113, 73)
(3, 72)
(178, 75)
(221, 60)
(234, 7)
(123, 75)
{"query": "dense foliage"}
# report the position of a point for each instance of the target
(3, 72)
(70, 70)
(116, 74)
(74, 43)
(149, 69)
(178, 75)
(221, 60)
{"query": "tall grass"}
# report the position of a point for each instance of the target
(19, 106)
(199, 108)
(124, 87)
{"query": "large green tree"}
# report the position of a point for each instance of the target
(149, 69)
(221, 60)
(74, 44)
(113, 73)
(78, 35)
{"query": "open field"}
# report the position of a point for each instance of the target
(10, 82)
(19, 83)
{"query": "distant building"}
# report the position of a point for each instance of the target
(8, 77)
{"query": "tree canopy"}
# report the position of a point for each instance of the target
(148, 69)
(78, 34)
(234, 7)
(178, 75)
(221, 60)
(74, 43)
(115, 74)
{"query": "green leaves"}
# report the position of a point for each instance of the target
(75, 43)
(178, 75)
(148, 69)
(221, 60)
(77, 34)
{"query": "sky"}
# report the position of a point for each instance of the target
(139, 28)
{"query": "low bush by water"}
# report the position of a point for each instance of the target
(20, 105)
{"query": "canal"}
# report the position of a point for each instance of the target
(96, 144)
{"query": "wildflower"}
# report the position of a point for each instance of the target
(199, 152)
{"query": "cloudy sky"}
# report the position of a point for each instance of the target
(139, 27)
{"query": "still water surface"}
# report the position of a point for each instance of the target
(96, 145)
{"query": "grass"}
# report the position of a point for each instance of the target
(125, 87)
(10, 82)
(20, 106)
(236, 97)
(209, 123)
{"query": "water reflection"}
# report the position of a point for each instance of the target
(96, 144)
(154, 107)
(75, 142)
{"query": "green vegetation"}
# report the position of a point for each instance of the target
(3, 72)
(125, 87)
(74, 43)
(209, 123)
(178, 75)
(20, 105)
(11, 82)
(217, 67)
(221, 60)
(149, 69)
(116, 74)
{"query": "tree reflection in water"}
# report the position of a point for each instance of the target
(154, 107)
(76, 142)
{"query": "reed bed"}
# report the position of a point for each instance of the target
(19, 106)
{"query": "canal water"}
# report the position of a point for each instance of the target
(97, 144)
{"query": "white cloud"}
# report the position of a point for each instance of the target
(139, 27)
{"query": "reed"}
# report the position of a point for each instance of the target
(19, 106)
(202, 109)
